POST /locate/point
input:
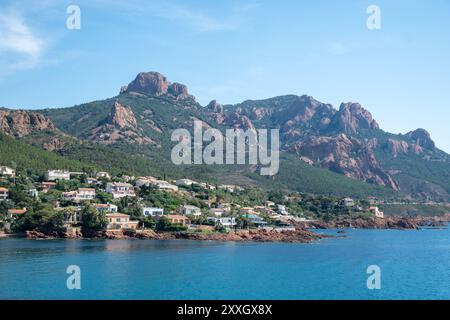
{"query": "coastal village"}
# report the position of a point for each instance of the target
(140, 203)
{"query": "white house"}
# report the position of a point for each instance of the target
(7, 171)
(152, 212)
(4, 194)
(188, 210)
(103, 174)
(86, 194)
(348, 202)
(33, 193)
(270, 204)
(228, 222)
(218, 212)
(164, 185)
(82, 194)
(53, 175)
(377, 212)
(282, 210)
(185, 182)
(93, 181)
(120, 189)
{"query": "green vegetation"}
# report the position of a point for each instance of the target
(415, 209)
(26, 158)
(92, 220)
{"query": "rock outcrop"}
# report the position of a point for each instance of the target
(351, 117)
(21, 123)
(122, 117)
(422, 138)
(119, 126)
(346, 155)
(156, 84)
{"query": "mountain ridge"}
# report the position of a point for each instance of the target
(347, 140)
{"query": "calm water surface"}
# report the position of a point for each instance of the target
(414, 264)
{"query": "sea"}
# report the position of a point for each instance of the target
(355, 265)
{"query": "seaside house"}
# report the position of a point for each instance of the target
(218, 212)
(226, 207)
(281, 209)
(54, 175)
(46, 186)
(69, 196)
(255, 219)
(152, 212)
(109, 208)
(33, 192)
(348, 202)
(120, 189)
(93, 181)
(103, 174)
(16, 213)
(85, 194)
(145, 181)
(248, 210)
(4, 194)
(185, 182)
(72, 215)
(269, 204)
(227, 222)
(164, 185)
(177, 219)
(120, 221)
(7, 172)
(82, 194)
(189, 210)
(229, 188)
(376, 212)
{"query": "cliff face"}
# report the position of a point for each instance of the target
(344, 141)
(21, 123)
(346, 155)
(122, 117)
(119, 126)
(352, 117)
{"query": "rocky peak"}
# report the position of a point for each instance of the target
(352, 116)
(122, 116)
(422, 138)
(151, 83)
(179, 91)
(156, 84)
(119, 126)
(21, 123)
(215, 106)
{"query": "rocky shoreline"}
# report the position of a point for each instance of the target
(301, 234)
(397, 223)
(298, 236)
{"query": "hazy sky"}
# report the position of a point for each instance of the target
(233, 50)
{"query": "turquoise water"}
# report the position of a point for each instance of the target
(414, 265)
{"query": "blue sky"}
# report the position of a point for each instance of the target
(233, 50)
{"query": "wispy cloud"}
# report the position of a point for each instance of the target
(183, 14)
(200, 21)
(19, 46)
